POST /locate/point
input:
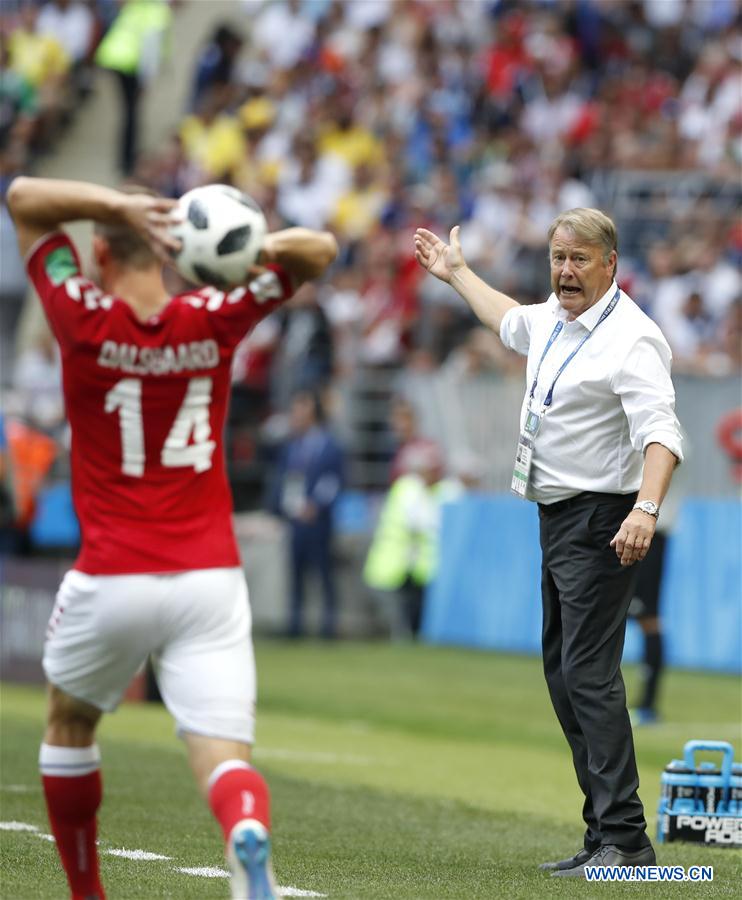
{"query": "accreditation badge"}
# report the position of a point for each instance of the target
(522, 467)
(524, 453)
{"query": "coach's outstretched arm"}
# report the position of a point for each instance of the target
(446, 261)
(41, 205)
(304, 253)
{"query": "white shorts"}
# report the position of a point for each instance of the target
(196, 626)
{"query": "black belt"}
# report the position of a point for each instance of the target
(585, 497)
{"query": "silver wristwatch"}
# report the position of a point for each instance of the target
(648, 506)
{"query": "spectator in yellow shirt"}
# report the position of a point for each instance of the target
(39, 58)
(213, 139)
(260, 165)
(359, 209)
(353, 143)
(41, 62)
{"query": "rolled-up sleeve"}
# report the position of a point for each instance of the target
(647, 395)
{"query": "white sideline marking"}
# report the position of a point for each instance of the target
(136, 854)
(146, 856)
(204, 871)
(298, 892)
(213, 872)
(19, 788)
(17, 826)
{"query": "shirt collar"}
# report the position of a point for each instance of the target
(589, 319)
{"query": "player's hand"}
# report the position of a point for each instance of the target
(268, 250)
(152, 218)
(634, 537)
(439, 258)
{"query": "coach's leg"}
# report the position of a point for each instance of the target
(551, 642)
(552, 650)
(594, 609)
(69, 761)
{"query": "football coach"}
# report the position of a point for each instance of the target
(599, 441)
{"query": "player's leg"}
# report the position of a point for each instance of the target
(652, 669)
(206, 674)
(239, 799)
(69, 761)
(97, 638)
(644, 608)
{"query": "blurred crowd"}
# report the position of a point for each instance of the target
(372, 117)
(46, 59)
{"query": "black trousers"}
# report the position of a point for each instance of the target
(311, 548)
(131, 93)
(586, 595)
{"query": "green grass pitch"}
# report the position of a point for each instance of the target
(396, 771)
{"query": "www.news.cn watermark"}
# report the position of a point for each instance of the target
(649, 873)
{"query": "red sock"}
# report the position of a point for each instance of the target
(236, 792)
(73, 791)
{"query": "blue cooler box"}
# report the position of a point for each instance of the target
(702, 803)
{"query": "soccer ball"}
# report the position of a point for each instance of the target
(222, 231)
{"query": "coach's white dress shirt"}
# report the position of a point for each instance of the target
(613, 399)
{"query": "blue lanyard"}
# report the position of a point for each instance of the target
(554, 335)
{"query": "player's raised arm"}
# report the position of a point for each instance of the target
(41, 205)
(446, 261)
(304, 253)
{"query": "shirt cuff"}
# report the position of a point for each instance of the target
(668, 439)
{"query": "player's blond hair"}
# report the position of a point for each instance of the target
(589, 225)
(127, 246)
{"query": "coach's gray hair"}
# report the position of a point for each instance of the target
(589, 225)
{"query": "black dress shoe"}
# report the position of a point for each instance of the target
(611, 855)
(580, 857)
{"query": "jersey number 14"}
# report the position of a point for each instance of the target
(192, 421)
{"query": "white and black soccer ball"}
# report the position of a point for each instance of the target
(222, 231)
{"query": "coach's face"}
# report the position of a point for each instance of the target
(580, 274)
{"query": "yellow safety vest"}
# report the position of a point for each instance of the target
(401, 549)
(122, 45)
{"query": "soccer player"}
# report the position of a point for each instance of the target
(146, 381)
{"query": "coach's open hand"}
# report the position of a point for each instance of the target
(439, 258)
(633, 538)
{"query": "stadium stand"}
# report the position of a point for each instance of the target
(370, 118)
(374, 117)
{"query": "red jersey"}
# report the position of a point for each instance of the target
(146, 402)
